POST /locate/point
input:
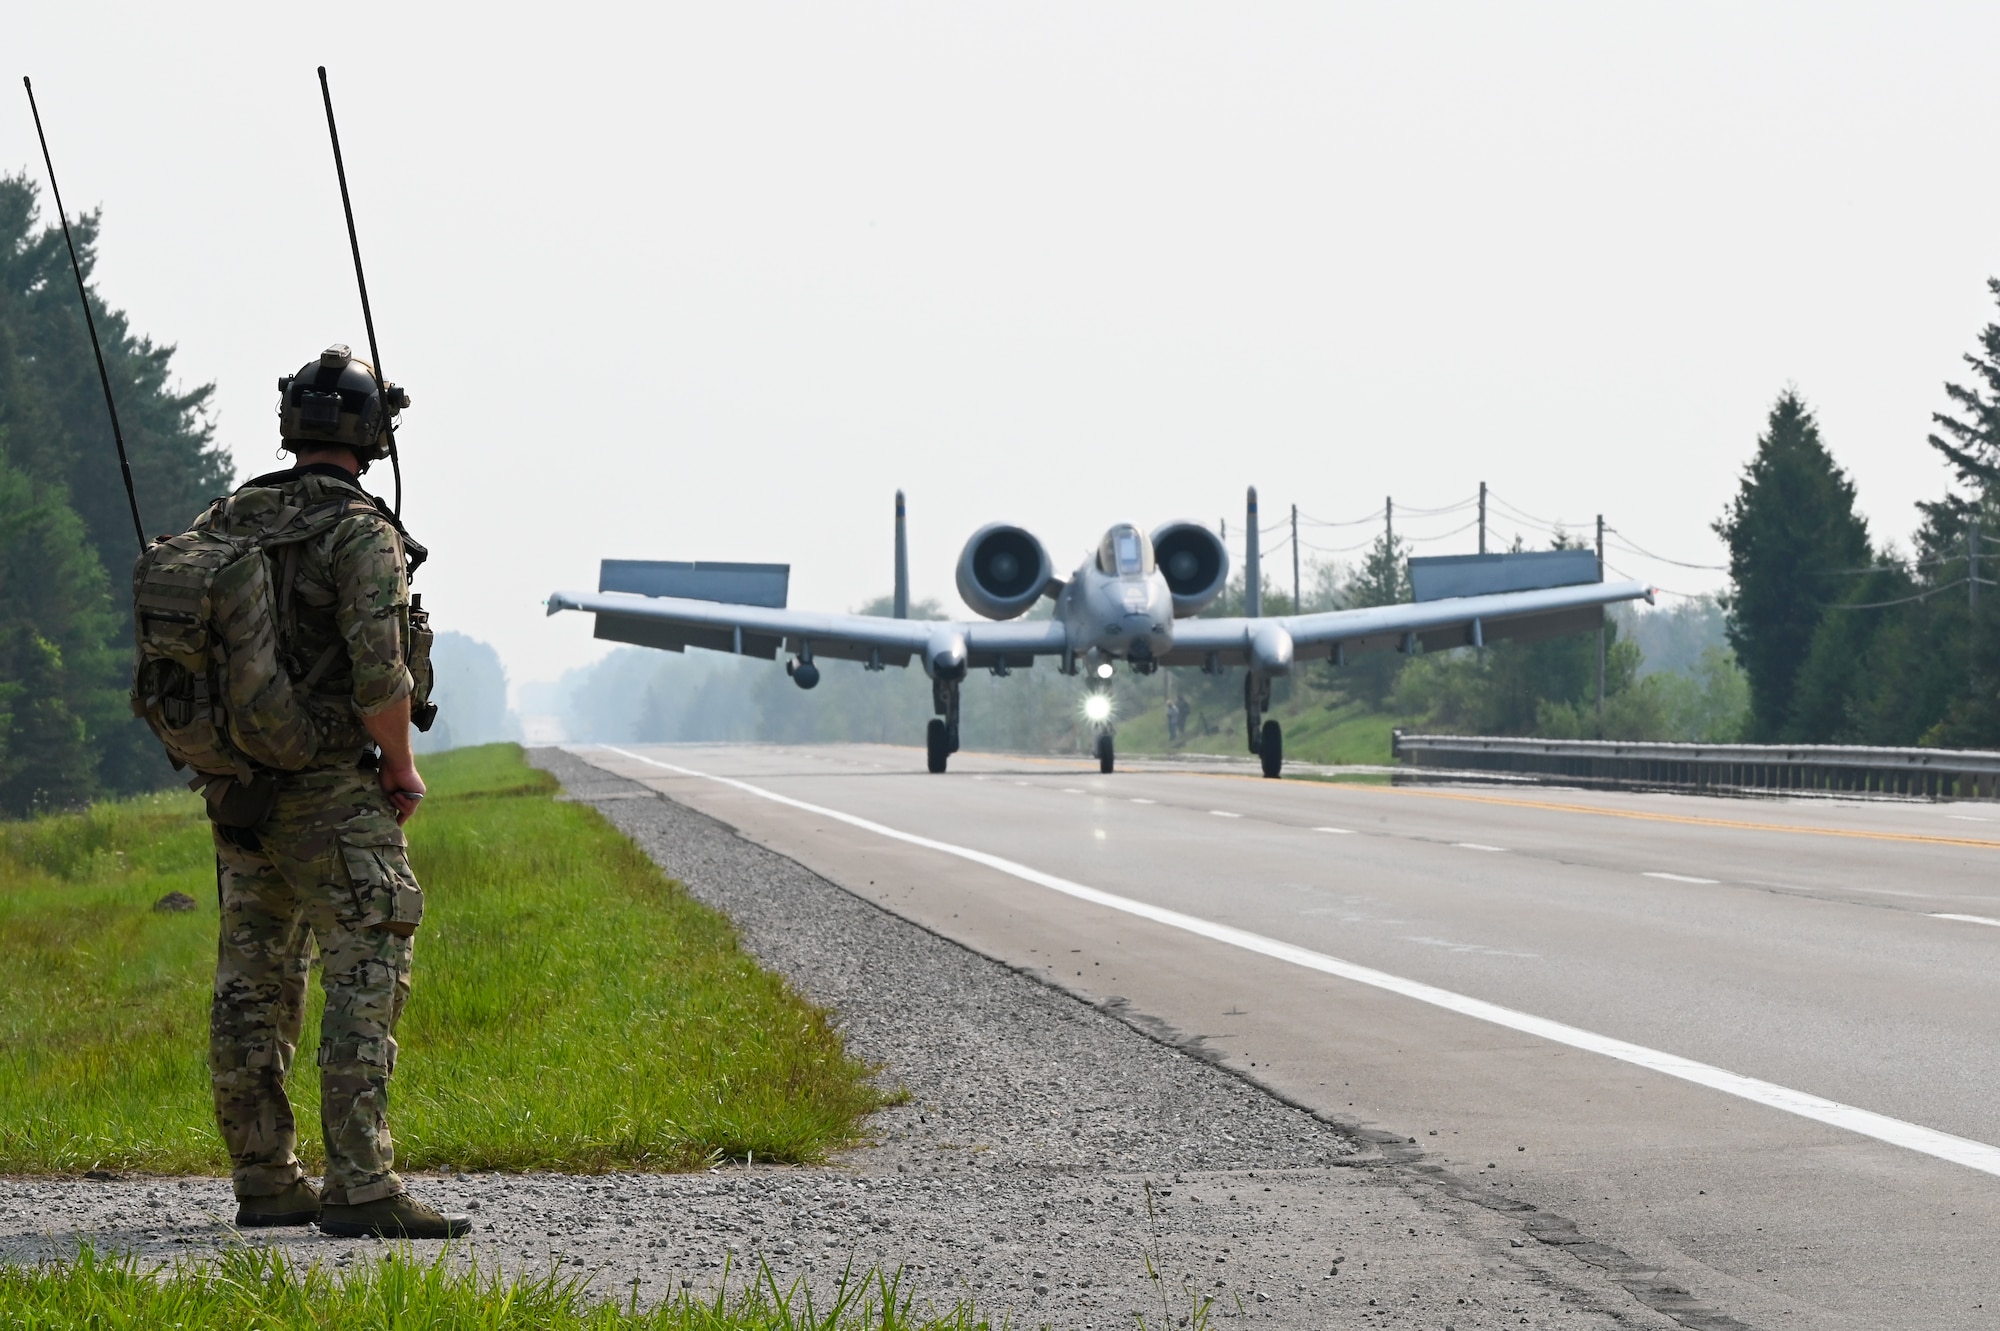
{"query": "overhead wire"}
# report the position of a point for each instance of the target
(1924, 595)
(1634, 547)
(1438, 512)
(1376, 516)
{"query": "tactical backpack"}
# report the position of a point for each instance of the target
(209, 611)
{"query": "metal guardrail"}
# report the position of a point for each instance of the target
(1829, 768)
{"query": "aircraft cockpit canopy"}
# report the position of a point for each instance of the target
(1126, 553)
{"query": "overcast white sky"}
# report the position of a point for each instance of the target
(712, 281)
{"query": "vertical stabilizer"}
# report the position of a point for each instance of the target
(902, 597)
(1253, 568)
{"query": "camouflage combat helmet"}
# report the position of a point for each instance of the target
(339, 400)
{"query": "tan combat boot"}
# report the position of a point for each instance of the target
(398, 1217)
(298, 1204)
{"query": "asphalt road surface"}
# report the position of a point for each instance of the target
(1749, 1042)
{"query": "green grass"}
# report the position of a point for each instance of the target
(572, 1008)
(261, 1290)
(1315, 732)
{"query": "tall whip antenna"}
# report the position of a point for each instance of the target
(361, 280)
(82, 294)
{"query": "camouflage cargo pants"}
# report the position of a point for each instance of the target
(328, 866)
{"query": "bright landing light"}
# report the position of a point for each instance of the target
(1097, 706)
(1104, 670)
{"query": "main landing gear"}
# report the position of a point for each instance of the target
(941, 738)
(1267, 738)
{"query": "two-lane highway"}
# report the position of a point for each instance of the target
(1748, 1042)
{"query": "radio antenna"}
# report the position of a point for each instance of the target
(361, 280)
(82, 294)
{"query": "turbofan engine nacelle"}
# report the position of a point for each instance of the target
(1002, 571)
(1194, 562)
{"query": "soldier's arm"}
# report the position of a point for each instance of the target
(373, 615)
(390, 729)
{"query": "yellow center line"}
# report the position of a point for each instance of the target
(1693, 820)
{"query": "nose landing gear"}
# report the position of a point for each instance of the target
(1105, 757)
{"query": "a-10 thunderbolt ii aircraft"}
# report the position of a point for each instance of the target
(1134, 599)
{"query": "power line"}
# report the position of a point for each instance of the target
(1442, 536)
(1906, 600)
(1337, 550)
(1448, 508)
(1642, 552)
(1376, 516)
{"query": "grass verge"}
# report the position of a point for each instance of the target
(1315, 732)
(572, 1008)
(261, 1288)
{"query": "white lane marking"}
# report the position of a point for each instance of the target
(1865, 1122)
(1969, 919)
(1474, 845)
(1682, 878)
(1967, 818)
(1145, 801)
(1223, 813)
(1337, 831)
(1071, 790)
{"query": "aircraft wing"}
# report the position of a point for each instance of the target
(674, 623)
(1462, 621)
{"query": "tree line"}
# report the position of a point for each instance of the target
(67, 734)
(1848, 639)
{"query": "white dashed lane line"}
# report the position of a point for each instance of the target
(1681, 878)
(1337, 831)
(1967, 919)
(1223, 813)
(1136, 801)
(1474, 845)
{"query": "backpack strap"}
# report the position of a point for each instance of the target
(321, 666)
(299, 527)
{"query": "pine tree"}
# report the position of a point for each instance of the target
(1973, 443)
(1381, 578)
(61, 680)
(1790, 527)
(53, 405)
(56, 445)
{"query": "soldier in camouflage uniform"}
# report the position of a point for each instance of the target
(326, 864)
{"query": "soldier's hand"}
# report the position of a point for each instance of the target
(404, 788)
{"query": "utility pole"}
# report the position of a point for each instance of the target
(1972, 603)
(1298, 606)
(1482, 517)
(1600, 631)
(1389, 530)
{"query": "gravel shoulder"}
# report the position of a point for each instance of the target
(1052, 1161)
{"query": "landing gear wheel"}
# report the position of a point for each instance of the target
(1271, 749)
(1104, 754)
(937, 746)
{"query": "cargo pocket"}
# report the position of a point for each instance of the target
(384, 889)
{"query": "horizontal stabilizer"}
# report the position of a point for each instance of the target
(1438, 577)
(705, 580)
